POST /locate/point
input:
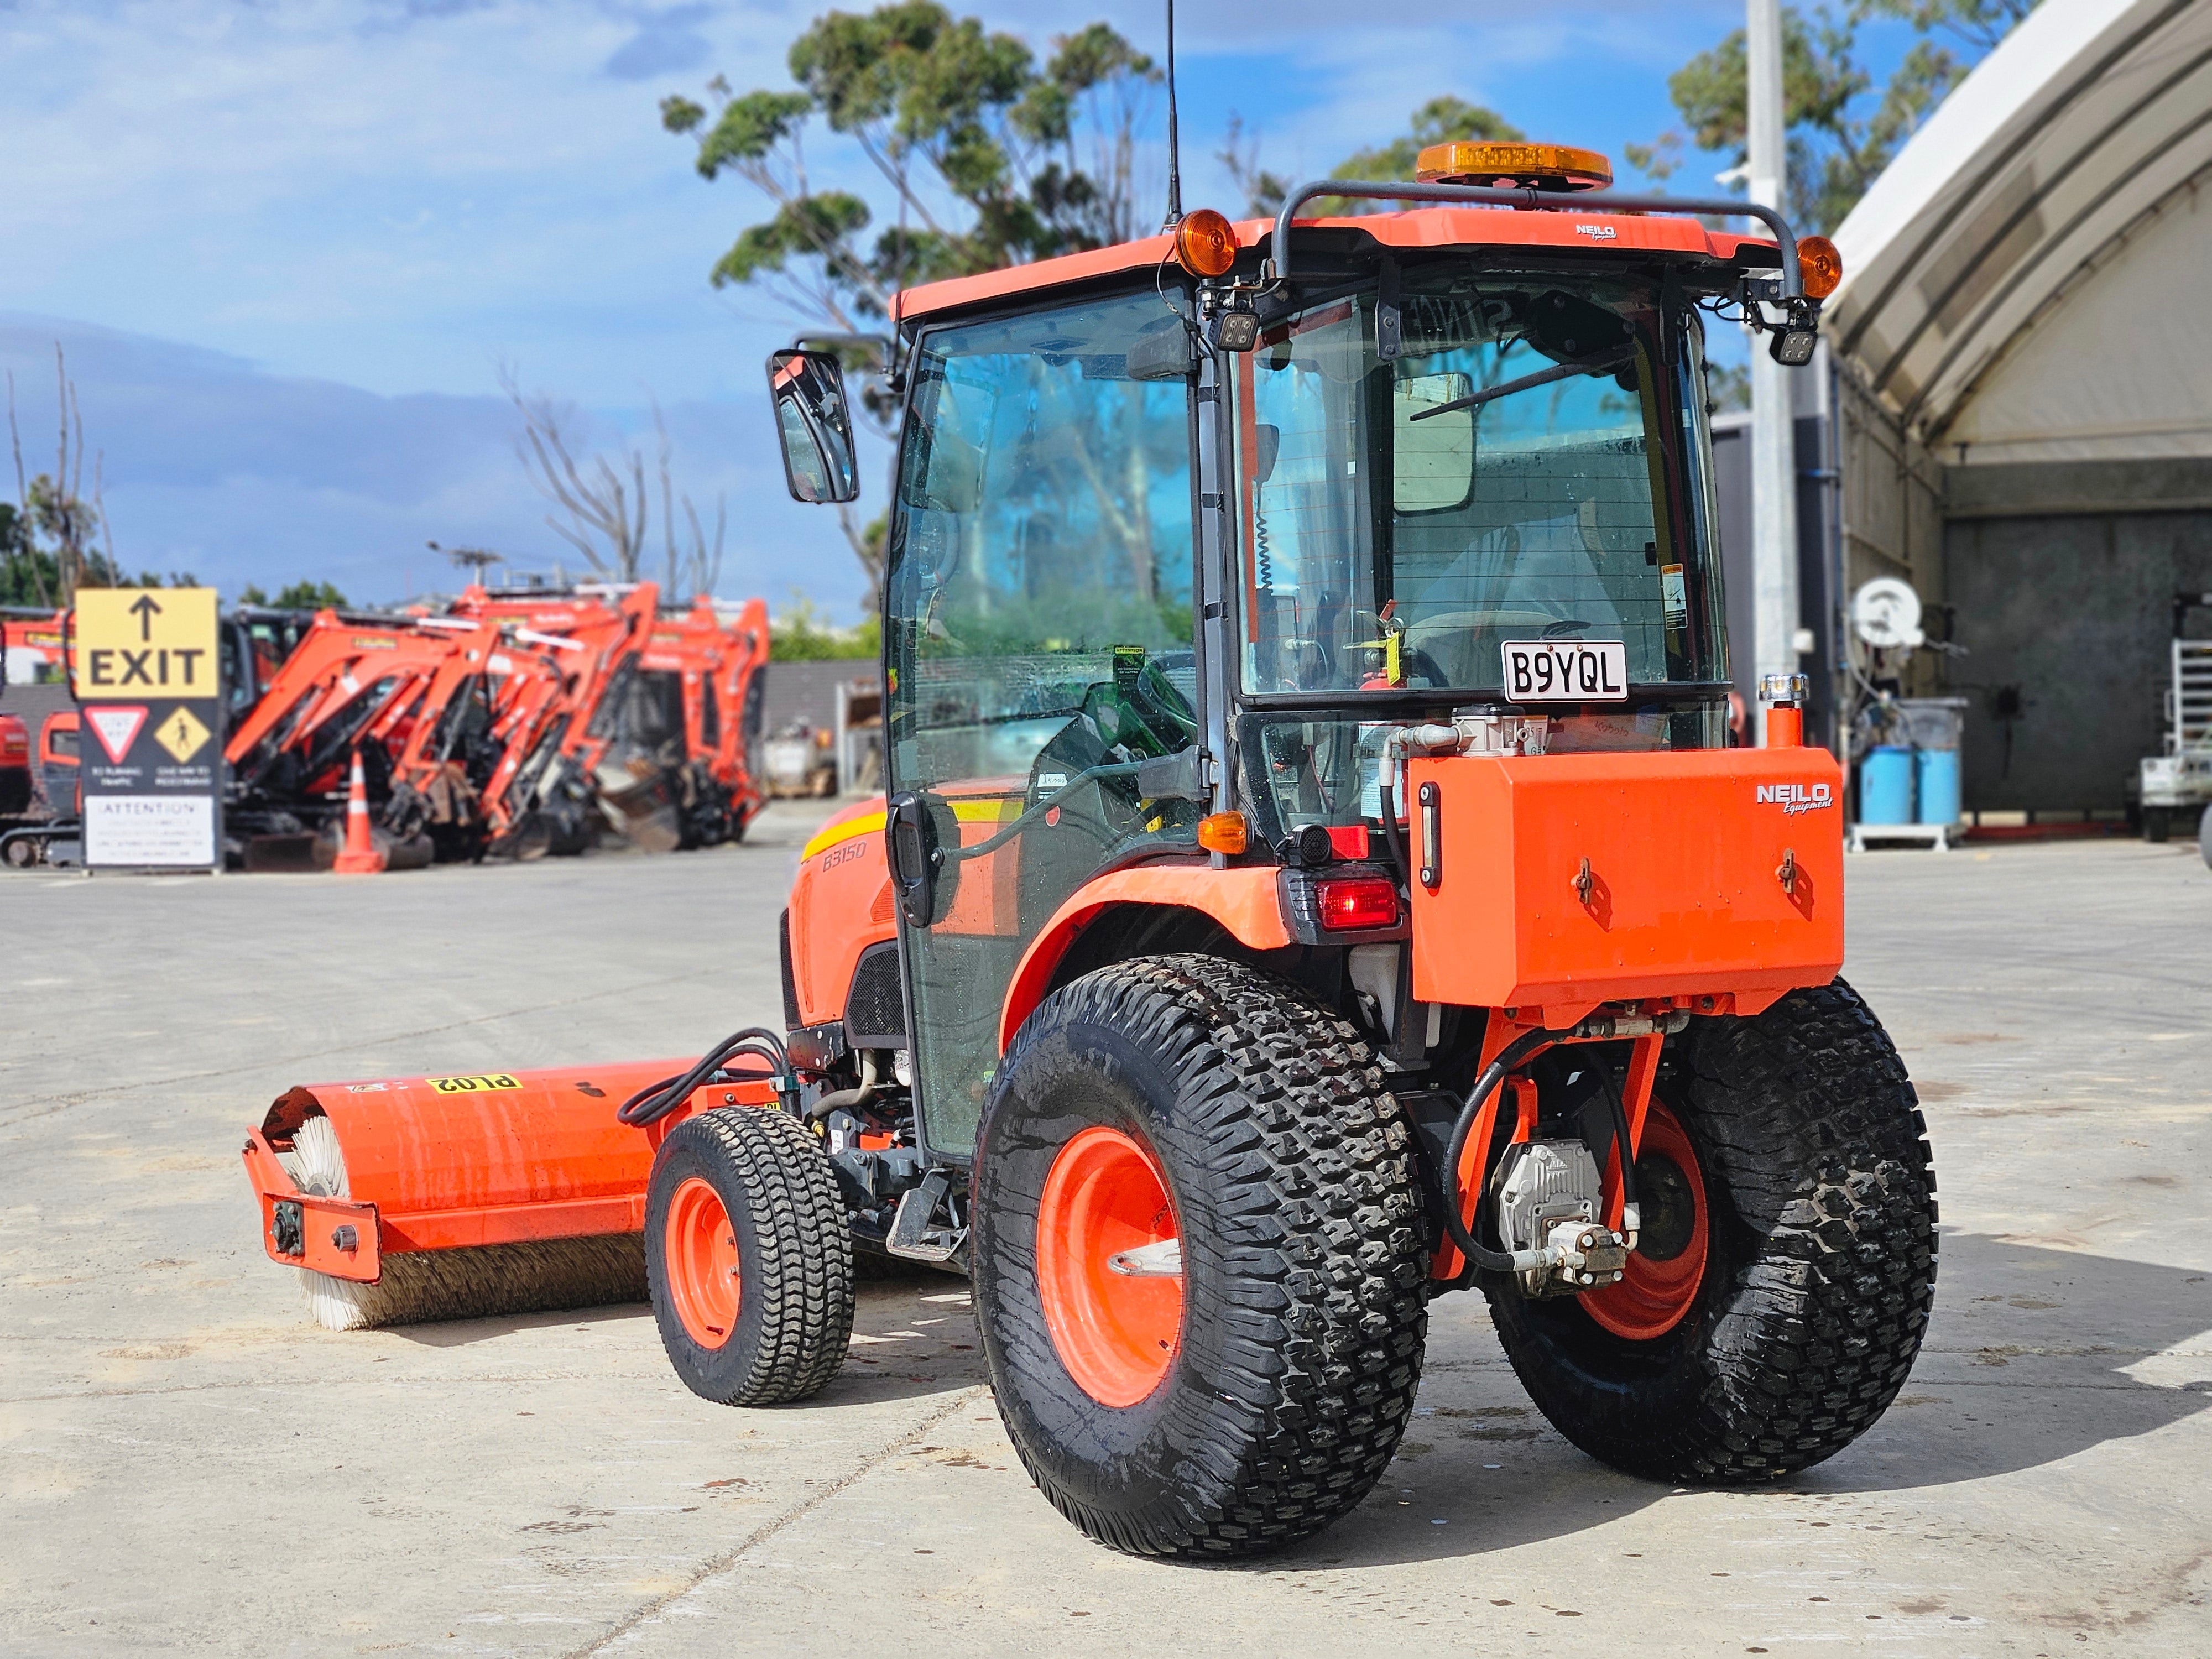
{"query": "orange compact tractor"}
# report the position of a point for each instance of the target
(1313, 880)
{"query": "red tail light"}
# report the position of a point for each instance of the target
(1353, 903)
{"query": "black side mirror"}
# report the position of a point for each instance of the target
(915, 857)
(814, 422)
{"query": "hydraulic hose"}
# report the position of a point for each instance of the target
(657, 1100)
(1391, 838)
(844, 1100)
(1486, 1085)
(1404, 741)
(1632, 1214)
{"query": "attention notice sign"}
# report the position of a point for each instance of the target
(149, 676)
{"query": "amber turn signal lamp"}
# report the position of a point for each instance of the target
(1357, 903)
(1539, 167)
(1820, 266)
(1223, 832)
(1205, 243)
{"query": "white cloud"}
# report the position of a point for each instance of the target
(314, 229)
(238, 476)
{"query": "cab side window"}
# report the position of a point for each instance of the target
(1039, 601)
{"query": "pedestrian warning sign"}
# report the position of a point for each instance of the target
(148, 675)
(145, 642)
(182, 734)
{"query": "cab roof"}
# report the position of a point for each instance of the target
(1418, 227)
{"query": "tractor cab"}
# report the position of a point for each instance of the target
(1183, 531)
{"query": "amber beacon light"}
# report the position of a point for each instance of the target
(1537, 167)
(1205, 243)
(1819, 265)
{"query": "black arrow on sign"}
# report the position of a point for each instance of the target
(144, 608)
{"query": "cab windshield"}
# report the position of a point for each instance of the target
(1528, 464)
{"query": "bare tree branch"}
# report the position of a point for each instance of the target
(23, 499)
(706, 562)
(605, 513)
(606, 500)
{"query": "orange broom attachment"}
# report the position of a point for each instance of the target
(409, 1199)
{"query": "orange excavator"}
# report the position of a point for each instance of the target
(1313, 880)
(685, 770)
(32, 644)
(350, 684)
(503, 725)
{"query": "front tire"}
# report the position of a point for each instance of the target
(748, 1258)
(1816, 1239)
(1255, 1395)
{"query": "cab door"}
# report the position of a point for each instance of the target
(1038, 647)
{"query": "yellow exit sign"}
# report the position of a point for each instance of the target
(145, 642)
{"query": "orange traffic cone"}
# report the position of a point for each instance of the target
(360, 856)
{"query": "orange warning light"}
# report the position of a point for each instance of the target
(1539, 167)
(1223, 832)
(1205, 243)
(1819, 265)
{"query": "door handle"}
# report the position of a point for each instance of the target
(1432, 851)
(913, 856)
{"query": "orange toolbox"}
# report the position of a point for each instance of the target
(1689, 876)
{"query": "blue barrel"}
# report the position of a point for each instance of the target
(1936, 773)
(1886, 786)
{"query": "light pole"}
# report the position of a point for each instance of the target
(1775, 618)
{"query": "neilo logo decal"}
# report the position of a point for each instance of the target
(1796, 798)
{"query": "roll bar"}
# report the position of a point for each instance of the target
(1276, 270)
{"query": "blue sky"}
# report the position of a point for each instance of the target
(287, 246)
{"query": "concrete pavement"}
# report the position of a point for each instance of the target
(187, 1465)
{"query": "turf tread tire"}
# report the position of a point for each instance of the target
(795, 1253)
(1822, 1212)
(1292, 1172)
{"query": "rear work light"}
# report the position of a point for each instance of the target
(1356, 904)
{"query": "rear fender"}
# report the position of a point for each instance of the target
(1243, 902)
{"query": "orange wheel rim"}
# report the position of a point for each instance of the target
(699, 1247)
(1116, 1333)
(1655, 1292)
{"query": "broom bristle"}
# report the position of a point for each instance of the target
(538, 1276)
(535, 1276)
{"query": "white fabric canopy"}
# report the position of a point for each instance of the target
(2024, 282)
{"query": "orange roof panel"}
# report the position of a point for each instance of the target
(1419, 227)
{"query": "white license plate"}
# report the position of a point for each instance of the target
(1565, 671)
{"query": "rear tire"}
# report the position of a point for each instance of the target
(1292, 1349)
(748, 1258)
(2157, 823)
(1820, 1271)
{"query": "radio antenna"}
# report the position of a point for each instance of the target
(1174, 146)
